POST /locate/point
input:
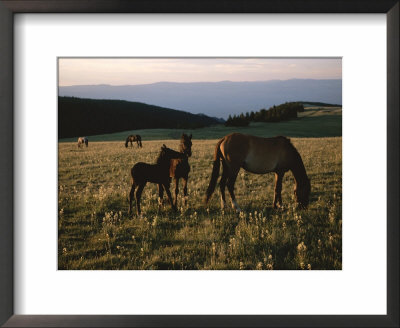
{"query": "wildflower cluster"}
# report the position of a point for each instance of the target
(301, 254)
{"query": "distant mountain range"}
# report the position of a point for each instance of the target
(85, 117)
(217, 99)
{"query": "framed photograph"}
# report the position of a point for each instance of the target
(125, 123)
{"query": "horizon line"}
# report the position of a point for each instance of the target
(222, 81)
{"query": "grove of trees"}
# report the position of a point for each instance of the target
(278, 113)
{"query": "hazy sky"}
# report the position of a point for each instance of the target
(123, 71)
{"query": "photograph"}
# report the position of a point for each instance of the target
(199, 163)
(175, 164)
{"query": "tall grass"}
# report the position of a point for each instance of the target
(95, 231)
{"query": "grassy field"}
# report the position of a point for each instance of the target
(313, 122)
(95, 231)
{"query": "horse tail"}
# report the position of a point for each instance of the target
(215, 171)
(126, 142)
(132, 174)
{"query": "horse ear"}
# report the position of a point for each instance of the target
(190, 137)
(163, 146)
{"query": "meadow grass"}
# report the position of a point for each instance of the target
(96, 232)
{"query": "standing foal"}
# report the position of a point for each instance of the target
(142, 173)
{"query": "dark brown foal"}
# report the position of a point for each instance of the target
(156, 173)
(179, 169)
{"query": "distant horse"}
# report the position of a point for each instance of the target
(82, 141)
(258, 155)
(180, 168)
(142, 173)
(134, 138)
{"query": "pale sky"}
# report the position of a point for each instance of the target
(130, 71)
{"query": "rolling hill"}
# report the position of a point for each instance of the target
(79, 116)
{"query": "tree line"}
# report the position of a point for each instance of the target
(278, 113)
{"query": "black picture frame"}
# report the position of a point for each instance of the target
(7, 10)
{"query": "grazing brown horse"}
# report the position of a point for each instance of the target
(83, 141)
(134, 138)
(157, 173)
(180, 168)
(258, 155)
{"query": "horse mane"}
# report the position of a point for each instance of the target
(182, 145)
(283, 138)
(290, 146)
(298, 169)
(161, 156)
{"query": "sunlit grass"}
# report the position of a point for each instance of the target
(95, 231)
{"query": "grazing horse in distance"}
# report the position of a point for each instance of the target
(258, 155)
(83, 141)
(180, 168)
(142, 173)
(134, 138)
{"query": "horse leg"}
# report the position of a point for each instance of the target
(131, 194)
(278, 189)
(138, 195)
(176, 191)
(160, 195)
(166, 187)
(185, 189)
(222, 184)
(231, 186)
